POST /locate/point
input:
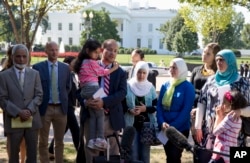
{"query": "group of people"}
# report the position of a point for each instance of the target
(112, 99)
(244, 69)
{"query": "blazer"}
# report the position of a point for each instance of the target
(64, 81)
(117, 93)
(13, 99)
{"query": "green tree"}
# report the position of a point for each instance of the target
(217, 2)
(209, 21)
(179, 37)
(102, 27)
(170, 29)
(185, 41)
(246, 35)
(30, 14)
(231, 38)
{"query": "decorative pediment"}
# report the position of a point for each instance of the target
(108, 7)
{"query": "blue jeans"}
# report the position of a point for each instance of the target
(140, 152)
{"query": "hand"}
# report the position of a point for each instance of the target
(95, 103)
(134, 112)
(115, 64)
(235, 114)
(24, 114)
(199, 135)
(164, 126)
(141, 108)
(193, 113)
(219, 111)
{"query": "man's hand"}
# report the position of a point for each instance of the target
(94, 103)
(25, 114)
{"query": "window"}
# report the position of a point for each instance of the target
(59, 40)
(161, 43)
(150, 27)
(139, 27)
(59, 26)
(138, 43)
(150, 43)
(70, 41)
(121, 42)
(49, 26)
(49, 39)
(122, 27)
(70, 26)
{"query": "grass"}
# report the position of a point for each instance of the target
(124, 59)
(157, 154)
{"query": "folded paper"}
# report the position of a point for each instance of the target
(17, 123)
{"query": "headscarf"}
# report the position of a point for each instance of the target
(140, 88)
(231, 73)
(181, 77)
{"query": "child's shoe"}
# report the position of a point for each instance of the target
(91, 143)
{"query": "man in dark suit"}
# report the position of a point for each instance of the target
(114, 118)
(56, 83)
(136, 56)
(20, 95)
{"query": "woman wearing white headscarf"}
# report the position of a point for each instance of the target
(175, 102)
(141, 100)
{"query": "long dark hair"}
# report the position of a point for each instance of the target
(90, 45)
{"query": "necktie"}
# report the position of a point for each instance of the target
(53, 85)
(106, 84)
(21, 79)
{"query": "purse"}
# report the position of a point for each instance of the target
(149, 134)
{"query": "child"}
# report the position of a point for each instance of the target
(88, 71)
(226, 129)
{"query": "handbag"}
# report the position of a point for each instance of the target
(148, 134)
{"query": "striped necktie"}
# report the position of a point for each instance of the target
(54, 91)
(106, 83)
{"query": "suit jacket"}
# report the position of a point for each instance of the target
(13, 99)
(117, 92)
(64, 81)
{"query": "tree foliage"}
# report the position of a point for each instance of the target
(30, 14)
(231, 37)
(246, 35)
(209, 21)
(102, 27)
(185, 40)
(179, 37)
(245, 3)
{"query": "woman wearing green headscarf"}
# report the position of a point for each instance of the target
(225, 79)
(174, 104)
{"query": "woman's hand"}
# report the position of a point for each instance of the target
(199, 135)
(164, 126)
(133, 112)
(141, 108)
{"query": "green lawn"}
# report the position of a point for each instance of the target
(124, 59)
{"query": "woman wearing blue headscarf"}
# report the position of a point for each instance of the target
(225, 79)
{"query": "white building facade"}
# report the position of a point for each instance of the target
(137, 26)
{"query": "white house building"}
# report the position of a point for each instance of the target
(137, 26)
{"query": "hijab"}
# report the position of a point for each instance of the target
(231, 74)
(140, 88)
(181, 77)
